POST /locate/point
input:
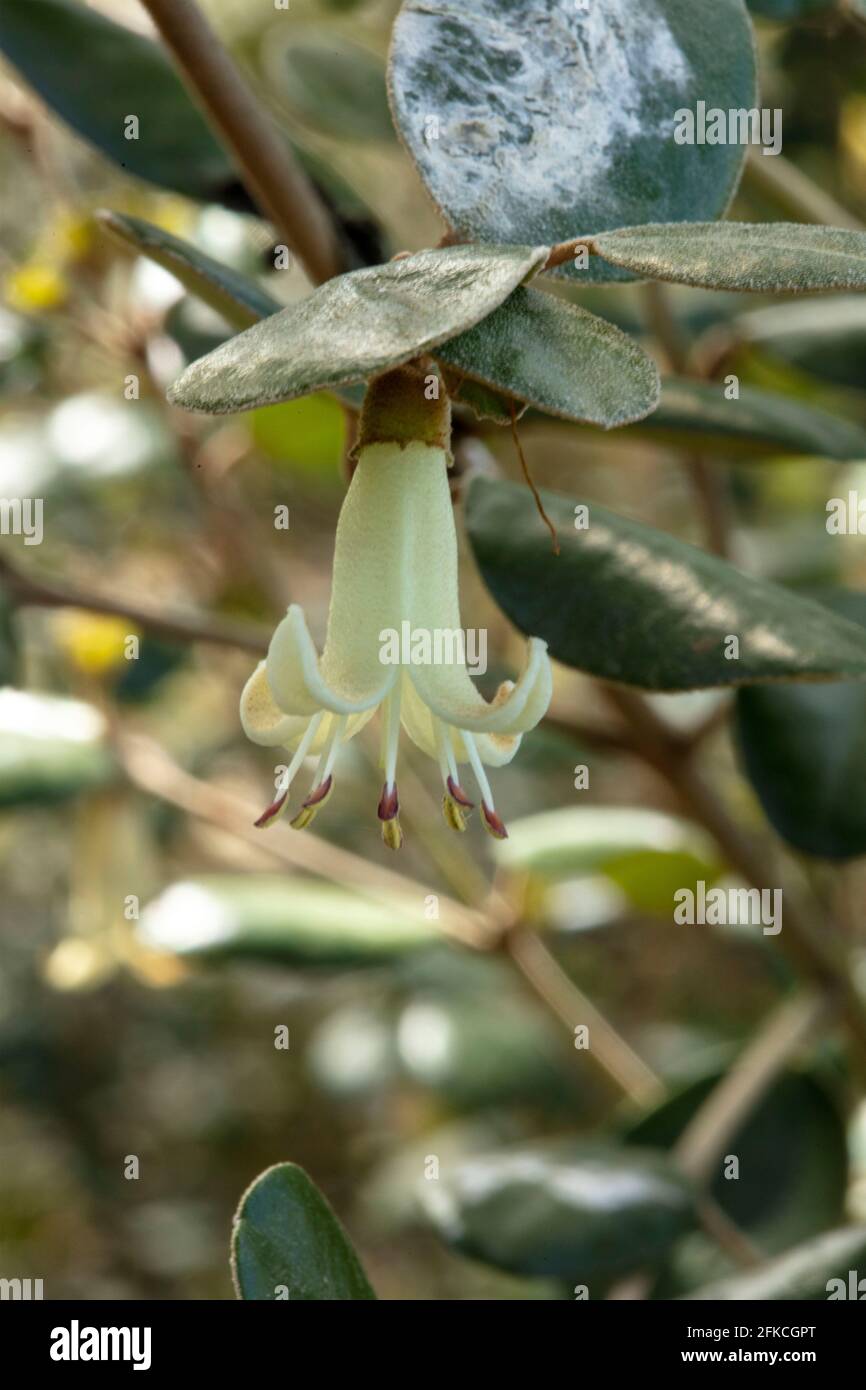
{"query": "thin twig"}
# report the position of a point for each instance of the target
(530, 480)
(267, 166)
(707, 483)
(608, 1049)
(27, 591)
(788, 1029)
(794, 192)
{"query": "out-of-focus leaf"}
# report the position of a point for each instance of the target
(355, 326)
(694, 413)
(50, 748)
(288, 1244)
(575, 1212)
(825, 336)
(288, 920)
(763, 257)
(793, 1164)
(139, 680)
(306, 436)
(8, 641)
(791, 9)
(537, 121)
(96, 73)
(476, 1051)
(334, 86)
(804, 749)
(630, 604)
(814, 1272)
(238, 298)
(96, 435)
(606, 839)
(559, 358)
(53, 43)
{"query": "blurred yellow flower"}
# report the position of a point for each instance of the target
(92, 642)
(36, 287)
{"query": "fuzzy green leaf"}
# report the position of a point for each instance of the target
(355, 326)
(762, 257)
(558, 358)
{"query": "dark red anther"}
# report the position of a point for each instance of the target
(272, 812)
(492, 823)
(459, 795)
(389, 805)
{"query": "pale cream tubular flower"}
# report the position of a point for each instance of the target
(395, 562)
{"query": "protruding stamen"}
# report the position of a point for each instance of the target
(455, 803)
(276, 809)
(323, 782)
(273, 812)
(391, 734)
(313, 804)
(478, 768)
(492, 823)
(459, 795)
(389, 815)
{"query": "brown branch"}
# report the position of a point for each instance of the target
(608, 1049)
(26, 591)
(266, 164)
(794, 192)
(706, 481)
(791, 1027)
(530, 481)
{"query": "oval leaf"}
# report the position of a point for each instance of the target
(631, 604)
(289, 920)
(355, 326)
(288, 1244)
(562, 1211)
(335, 86)
(558, 358)
(694, 413)
(763, 257)
(95, 73)
(238, 298)
(582, 840)
(804, 749)
(535, 121)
